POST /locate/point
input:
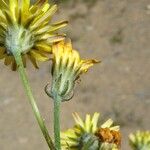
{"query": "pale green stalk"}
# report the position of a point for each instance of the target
(35, 109)
(57, 102)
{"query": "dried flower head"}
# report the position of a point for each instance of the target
(66, 68)
(140, 140)
(26, 29)
(103, 137)
(109, 138)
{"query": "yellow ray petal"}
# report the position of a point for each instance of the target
(25, 5)
(55, 38)
(43, 47)
(25, 10)
(2, 56)
(88, 123)
(8, 60)
(78, 120)
(95, 121)
(2, 50)
(46, 16)
(13, 4)
(33, 60)
(58, 25)
(86, 64)
(14, 65)
(38, 55)
(107, 124)
(2, 17)
(3, 4)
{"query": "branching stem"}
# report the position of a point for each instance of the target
(35, 109)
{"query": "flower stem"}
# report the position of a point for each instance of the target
(57, 102)
(35, 109)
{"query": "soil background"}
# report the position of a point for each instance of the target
(115, 31)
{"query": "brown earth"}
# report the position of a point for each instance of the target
(115, 31)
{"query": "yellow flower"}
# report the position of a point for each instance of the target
(140, 140)
(103, 137)
(25, 29)
(66, 68)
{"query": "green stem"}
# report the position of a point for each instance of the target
(35, 109)
(57, 102)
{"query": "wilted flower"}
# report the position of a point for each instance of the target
(66, 68)
(140, 140)
(25, 29)
(88, 133)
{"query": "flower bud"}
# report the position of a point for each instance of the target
(66, 68)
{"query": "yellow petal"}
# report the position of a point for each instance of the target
(43, 47)
(78, 120)
(33, 60)
(88, 123)
(95, 122)
(13, 4)
(2, 50)
(41, 2)
(86, 64)
(46, 7)
(8, 60)
(14, 65)
(42, 30)
(25, 10)
(107, 124)
(2, 56)
(76, 58)
(46, 16)
(55, 38)
(9, 18)
(2, 17)
(38, 56)
(3, 4)
(25, 5)
(58, 25)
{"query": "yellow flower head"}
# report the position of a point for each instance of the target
(26, 29)
(66, 68)
(101, 137)
(140, 140)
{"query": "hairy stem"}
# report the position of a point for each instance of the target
(35, 109)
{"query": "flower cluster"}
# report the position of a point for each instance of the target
(140, 140)
(91, 135)
(26, 29)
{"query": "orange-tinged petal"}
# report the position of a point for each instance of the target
(14, 65)
(86, 64)
(8, 60)
(2, 50)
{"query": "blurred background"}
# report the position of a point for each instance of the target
(114, 31)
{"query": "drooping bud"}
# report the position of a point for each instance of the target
(66, 68)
